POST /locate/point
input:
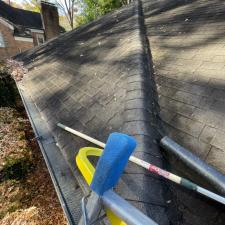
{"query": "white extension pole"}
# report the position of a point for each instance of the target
(154, 169)
(84, 136)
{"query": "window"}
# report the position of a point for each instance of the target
(40, 39)
(2, 42)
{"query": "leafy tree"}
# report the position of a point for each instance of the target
(92, 9)
(63, 21)
(78, 12)
(68, 9)
(32, 5)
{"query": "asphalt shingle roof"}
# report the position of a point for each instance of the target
(99, 79)
(187, 42)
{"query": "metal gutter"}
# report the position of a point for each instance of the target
(213, 176)
(62, 177)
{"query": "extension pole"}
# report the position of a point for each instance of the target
(152, 168)
(195, 163)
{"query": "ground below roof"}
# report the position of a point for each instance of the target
(27, 195)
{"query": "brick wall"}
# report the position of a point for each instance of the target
(35, 37)
(23, 45)
(12, 47)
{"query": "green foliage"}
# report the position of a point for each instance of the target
(32, 5)
(16, 168)
(92, 9)
(8, 91)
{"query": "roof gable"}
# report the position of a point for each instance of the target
(6, 23)
(20, 17)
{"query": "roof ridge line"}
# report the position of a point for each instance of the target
(145, 77)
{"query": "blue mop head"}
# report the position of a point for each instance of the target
(111, 164)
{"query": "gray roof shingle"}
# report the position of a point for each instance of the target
(99, 79)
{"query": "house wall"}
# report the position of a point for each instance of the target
(12, 46)
(50, 20)
(35, 37)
